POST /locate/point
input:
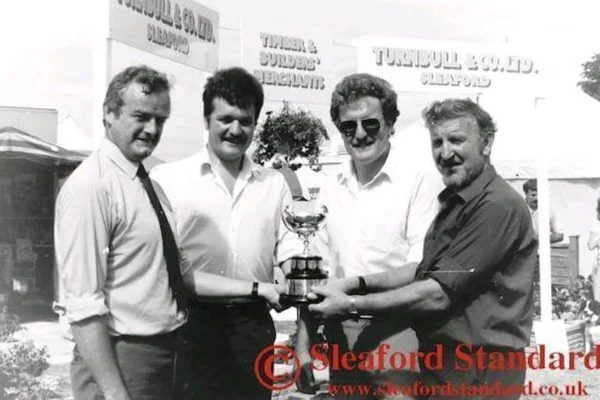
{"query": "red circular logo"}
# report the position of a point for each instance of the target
(264, 367)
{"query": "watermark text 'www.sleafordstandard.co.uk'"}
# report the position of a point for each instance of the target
(463, 390)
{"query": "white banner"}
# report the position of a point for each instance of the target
(180, 30)
(292, 65)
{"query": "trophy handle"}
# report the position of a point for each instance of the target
(284, 217)
(324, 212)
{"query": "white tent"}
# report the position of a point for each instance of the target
(71, 136)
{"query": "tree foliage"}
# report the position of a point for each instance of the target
(591, 74)
(290, 136)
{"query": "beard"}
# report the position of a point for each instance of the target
(459, 176)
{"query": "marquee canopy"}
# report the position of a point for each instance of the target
(16, 144)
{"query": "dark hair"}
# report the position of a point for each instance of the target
(237, 87)
(355, 86)
(152, 80)
(529, 185)
(448, 109)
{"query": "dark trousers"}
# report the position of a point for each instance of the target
(471, 379)
(152, 368)
(225, 341)
(367, 335)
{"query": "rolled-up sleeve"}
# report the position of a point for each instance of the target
(82, 235)
(490, 233)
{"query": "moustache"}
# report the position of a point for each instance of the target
(151, 139)
(362, 143)
(235, 139)
(448, 163)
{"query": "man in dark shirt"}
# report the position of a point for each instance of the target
(473, 289)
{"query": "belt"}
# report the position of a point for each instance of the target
(232, 302)
(157, 338)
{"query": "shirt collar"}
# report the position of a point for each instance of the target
(474, 188)
(206, 165)
(388, 170)
(114, 154)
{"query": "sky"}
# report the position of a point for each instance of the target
(47, 45)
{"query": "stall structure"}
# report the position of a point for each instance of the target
(31, 170)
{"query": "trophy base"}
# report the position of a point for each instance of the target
(290, 300)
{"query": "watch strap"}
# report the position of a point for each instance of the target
(362, 286)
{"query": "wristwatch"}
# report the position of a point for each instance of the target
(362, 286)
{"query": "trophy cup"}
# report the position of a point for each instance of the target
(306, 271)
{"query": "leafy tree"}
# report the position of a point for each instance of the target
(288, 137)
(591, 74)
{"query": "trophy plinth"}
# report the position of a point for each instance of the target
(305, 272)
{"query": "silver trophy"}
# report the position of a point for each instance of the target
(305, 272)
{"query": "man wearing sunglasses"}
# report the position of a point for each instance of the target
(380, 205)
(471, 294)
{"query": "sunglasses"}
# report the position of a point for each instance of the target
(370, 125)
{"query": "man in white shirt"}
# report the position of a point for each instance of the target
(119, 264)
(380, 206)
(228, 215)
(530, 190)
(119, 297)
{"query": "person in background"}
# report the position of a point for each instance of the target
(472, 291)
(594, 245)
(530, 190)
(228, 214)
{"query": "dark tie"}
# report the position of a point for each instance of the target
(170, 248)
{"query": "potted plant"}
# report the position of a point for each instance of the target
(289, 137)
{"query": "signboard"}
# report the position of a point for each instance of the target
(420, 65)
(292, 65)
(507, 81)
(180, 30)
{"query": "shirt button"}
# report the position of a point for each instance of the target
(222, 272)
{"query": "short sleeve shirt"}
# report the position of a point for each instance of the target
(482, 251)
(382, 225)
(236, 235)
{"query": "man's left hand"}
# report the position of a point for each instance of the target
(334, 303)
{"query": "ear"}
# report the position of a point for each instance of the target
(488, 141)
(109, 119)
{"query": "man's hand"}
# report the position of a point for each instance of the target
(344, 285)
(334, 303)
(270, 293)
